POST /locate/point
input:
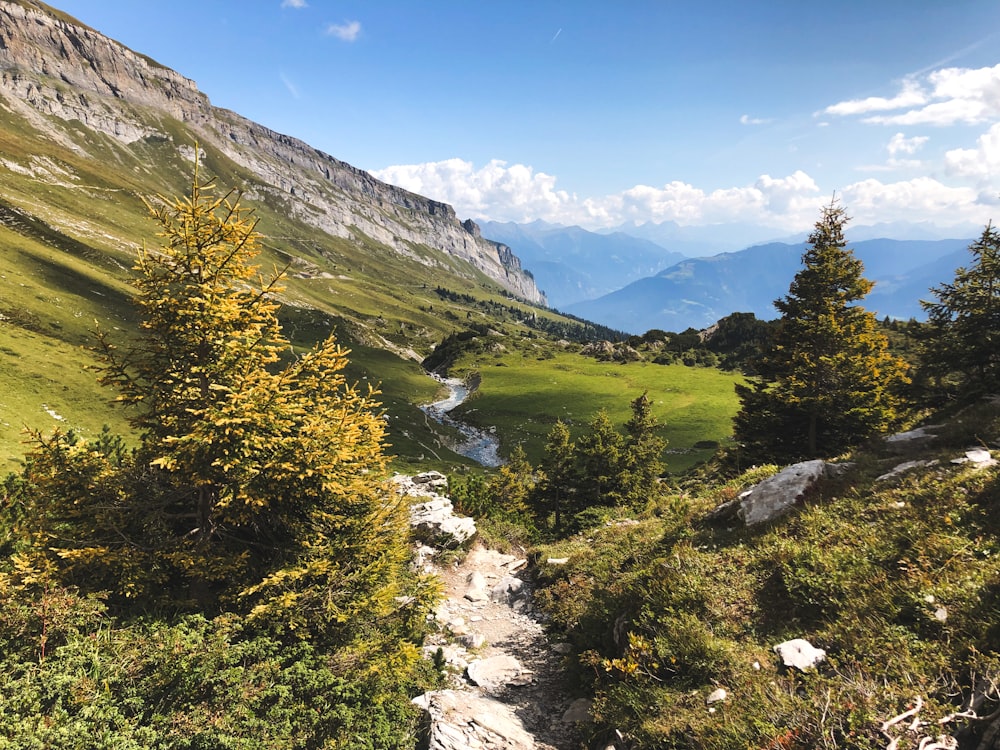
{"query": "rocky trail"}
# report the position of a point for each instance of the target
(506, 687)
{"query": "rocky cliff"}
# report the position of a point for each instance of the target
(52, 66)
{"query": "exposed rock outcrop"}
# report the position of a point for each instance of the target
(53, 68)
(775, 496)
(433, 520)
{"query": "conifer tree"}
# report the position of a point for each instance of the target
(557, 470)
(260, 477)
(828, 380)
(512, 486)
(598, 462)
(963, 336)
(641, 455)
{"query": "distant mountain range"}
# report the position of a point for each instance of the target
(571, 264)
(696, 292)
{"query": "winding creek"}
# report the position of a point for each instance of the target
(480, 445)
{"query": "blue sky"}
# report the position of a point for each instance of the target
(601, 113)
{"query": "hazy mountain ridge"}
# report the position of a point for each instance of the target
(698, 291)
(572, 264)
(53, 69)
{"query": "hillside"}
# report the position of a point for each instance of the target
(89, 130)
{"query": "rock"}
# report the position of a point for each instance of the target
(776, 495)
(978, 457)
(562, 648)
(716, 696)
(578, 712)
(508, 589)
(433, 479)
(497, 671)
(799, 653)
(903, 468)
(904, 441)
(477, 588)
(462, 721)
(471, 640)
(557, 560)
(434, 522)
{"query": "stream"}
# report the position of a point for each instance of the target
(481, 446)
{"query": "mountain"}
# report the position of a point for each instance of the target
(60, 76)
(704, 240)
(572, 264)
(91, 130)
(699, 291)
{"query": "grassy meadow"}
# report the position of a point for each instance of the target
(523, 394)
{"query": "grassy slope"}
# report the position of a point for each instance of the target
(524, 391)
(71, 223)
(896, 579)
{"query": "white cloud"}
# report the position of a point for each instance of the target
(982, 162)
(294, 4)
(748, 120)
(900, 144)
(943, 97)
(518, 193)
(910, 95)
(347, 31)
(920, 199)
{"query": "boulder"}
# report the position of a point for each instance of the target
(904, 441)
(461, 721)
(476, 592)
(497, 671)
(775, 496)
(980, 458)
(434, 522)
(799, 653)
(507, 590)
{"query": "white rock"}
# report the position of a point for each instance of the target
(717, 695)
(941, 614)
(776, 495)
(557, 560)
(497, 671)
(799, 653)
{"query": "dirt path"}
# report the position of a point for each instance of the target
(487, 620)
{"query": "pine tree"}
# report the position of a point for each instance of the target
(598, 463)
(641, 456)
(260, 477)
(557, 470)
(963, 336)
(828, 380)
(512, 486)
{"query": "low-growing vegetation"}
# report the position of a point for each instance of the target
(895, 578)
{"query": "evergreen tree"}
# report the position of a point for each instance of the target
(598, 463)
(557, 470)
(512, 486)
(828, 380)
(255, 481)
(963, 336)
(641, 456)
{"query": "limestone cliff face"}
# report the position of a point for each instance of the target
(54, 66)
